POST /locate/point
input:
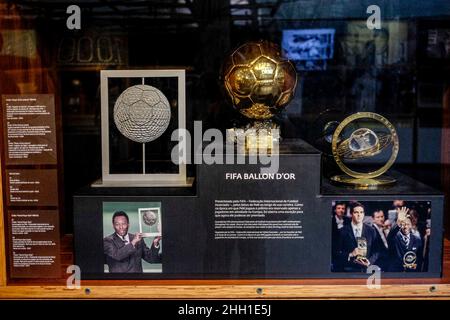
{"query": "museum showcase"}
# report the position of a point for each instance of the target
(225, 143)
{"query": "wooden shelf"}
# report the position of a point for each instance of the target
(230, 289)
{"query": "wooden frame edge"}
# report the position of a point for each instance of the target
(2, 236)
(438, 291)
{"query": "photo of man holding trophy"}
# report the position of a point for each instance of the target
(134, 243)
(405, 246)
(397, 246)
(358, 242)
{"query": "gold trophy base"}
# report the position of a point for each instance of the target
(363, 183)
(410, 266)
(362, 260)
(259, 135)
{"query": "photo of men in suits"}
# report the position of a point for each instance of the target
(124, 251)
(394, 242)
(352, 257)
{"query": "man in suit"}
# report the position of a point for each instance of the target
(124, 251)
(338, 221)
(378, 218)
(405, 244)
(358, 243)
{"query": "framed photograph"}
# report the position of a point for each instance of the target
(438, 46)
(392, 235)
(150, 222)
(309, 49)
(121, 223)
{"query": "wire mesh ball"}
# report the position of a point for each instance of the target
(142, 113)
(149, 218)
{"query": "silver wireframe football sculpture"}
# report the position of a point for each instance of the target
(149, 218)
(142, 113)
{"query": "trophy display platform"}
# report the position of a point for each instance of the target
(239, 222)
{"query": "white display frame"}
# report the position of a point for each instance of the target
(142, 179)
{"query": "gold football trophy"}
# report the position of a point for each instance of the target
(351, 143)
(260, 83)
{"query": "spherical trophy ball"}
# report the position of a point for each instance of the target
(149, 218)
(142, 113)
(364, 143)
(259, 81)
(362, 139)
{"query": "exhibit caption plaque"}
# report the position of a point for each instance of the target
(31, 178)
(29, 129)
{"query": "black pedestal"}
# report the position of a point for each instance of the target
(236, 222)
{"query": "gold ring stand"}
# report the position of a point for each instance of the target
(345, 150)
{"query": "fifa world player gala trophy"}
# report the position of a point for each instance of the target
(360, 141)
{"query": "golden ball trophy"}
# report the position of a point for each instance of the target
(352, 142)
(260, 83)
(362, 246)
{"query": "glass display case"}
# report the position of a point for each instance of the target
(229, 148)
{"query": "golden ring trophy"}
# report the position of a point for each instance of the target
(364, 143)
(410, 260)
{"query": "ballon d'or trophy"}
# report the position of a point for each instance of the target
(362, 246)
(260, 82)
